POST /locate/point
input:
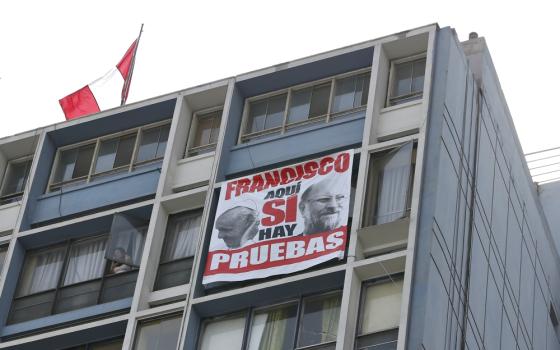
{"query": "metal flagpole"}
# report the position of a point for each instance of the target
(124, 94)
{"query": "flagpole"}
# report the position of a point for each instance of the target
(126, 87)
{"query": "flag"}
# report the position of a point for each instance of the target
(111, 90)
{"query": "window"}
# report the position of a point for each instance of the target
(109, 155)
(3, 253)
(319, 101)
(309, 323)
(179, 247)
(390, 185)
(115, 344)
(206, 127)
(380, 314)
(15, 178)
(406, 80)
(161, 333)
(77, 273)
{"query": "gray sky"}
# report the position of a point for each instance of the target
(49, 49)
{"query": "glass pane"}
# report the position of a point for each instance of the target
(362, 87)
(385, 340)
(3, 252)
(86, 261)
(83, 162)
(344, 95)
(65, 166)
(159, 334)
(163, 135)
(148, 145)
(273, 329)
(203, 131)
(126, 241)
(393, 179)
(216, 127)
(402, 79)
(124, 150)
(365, 89)
(31, 307)
(257, 115)
(418, 75)
(77, 296)
(118, 286)
(382, 307)
(181, 236)
(106, 155)
(222, 334)
(319, 322)
(16, 175)
(299, 105)
(173, 273)
(41, 270)
(275, 112)
(320, 100)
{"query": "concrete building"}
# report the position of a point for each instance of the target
(106, 221)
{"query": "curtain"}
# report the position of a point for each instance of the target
(86, 261)
(41, 271)
(223, 334)
(274, 333)
(331, 314)
(126, 240)
(181, 236)
(393, 184)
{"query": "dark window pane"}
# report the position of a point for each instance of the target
(403, 76)
(275, 112)
(65, 167)
(83, 162)
(161, 334)
(203, 131)
(299, 105)
(16, 176)
(108, 345)
(106, 155)
(216, 127)
(148, 145)
(257, 115)
(273, 329)
(31, 307)
(319, 322)
(365, 90)
(386, 340)
(320, 100)
(119, 286)
(418, 75)
(173, 273)
(124, 150)
(77, 296)
(163, 135)
(3, 252)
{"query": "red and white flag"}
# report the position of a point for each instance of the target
(111, 90)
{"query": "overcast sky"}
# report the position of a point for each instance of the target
(49, 49)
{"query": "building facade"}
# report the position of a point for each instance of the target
(106, 221)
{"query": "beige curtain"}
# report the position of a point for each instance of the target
(274, 330)
(331, 314)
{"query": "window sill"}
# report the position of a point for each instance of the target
(402, 105)
(9, 205)
(197, 157)
(379, 239)
(142, 170)
(168, 295)
(360, 114)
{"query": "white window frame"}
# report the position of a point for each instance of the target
(392, 71)
(4, 178)
(97, 141)
(245, 136)
(191, 150)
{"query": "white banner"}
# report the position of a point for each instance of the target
(281, 221)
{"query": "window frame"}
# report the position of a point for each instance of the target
(365, 285)
(9, 164)
(369, 212)
(91, 176)
(245, 135)
(3, 248)
(67, 244)
(410, 97)
(248, 314)
(152, 318)
(192, 150)
(160, 263)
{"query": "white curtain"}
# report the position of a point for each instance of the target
(393, 184)
(41, 271)
(181, 236)
(127, 235)
(86, 261)
(223, 334)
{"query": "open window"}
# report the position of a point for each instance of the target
(179, 248)
(380, 310)
(14, 180)
(79, 273)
